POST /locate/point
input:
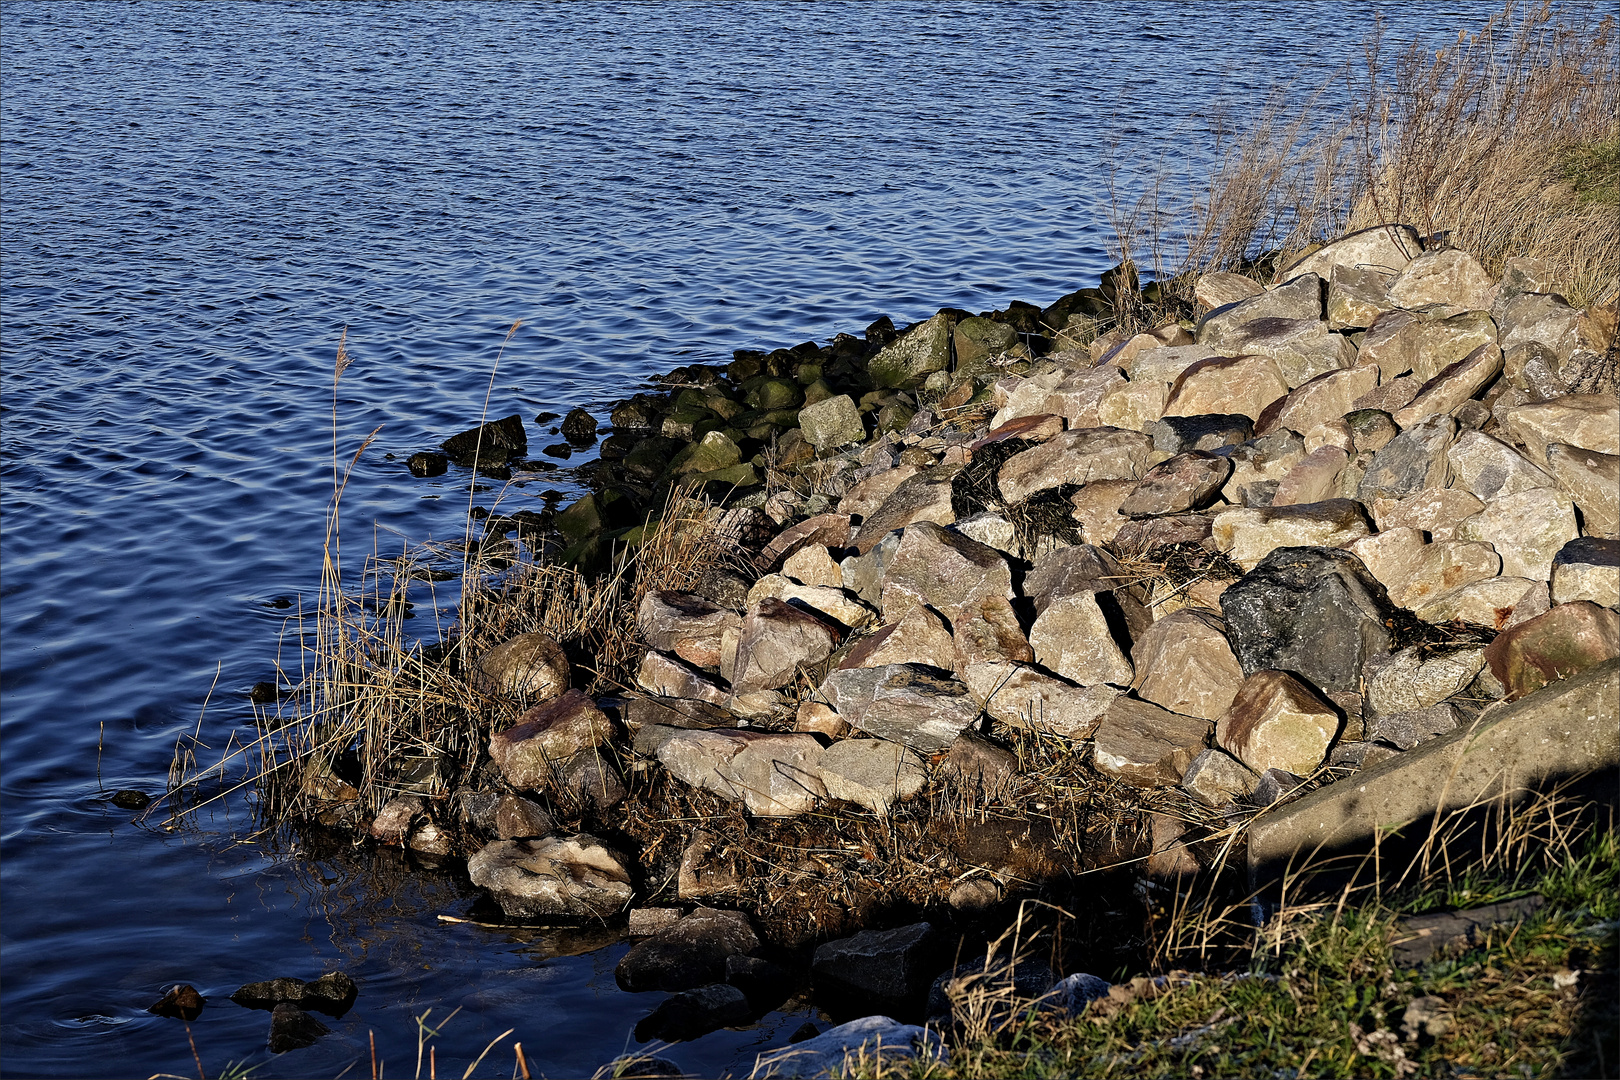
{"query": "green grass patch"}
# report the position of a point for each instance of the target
(1593, 170)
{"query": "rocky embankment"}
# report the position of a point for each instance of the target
(1203, 568)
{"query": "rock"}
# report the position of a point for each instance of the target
(493, 443)
(1071, 637)
(1276, 786)
(269, 993)
(991, 530)
(1587, 569)
(1316, 401)
(820, 719)
(579, 427)
(1224, 385)
(531, 667)
(667, 677)
(1546, 320)
(904, 703)
(1562, 730)
(1413, 727)
(1488, 468)
(689, 953)
(575, 876)
(878, 969)
(427, 463)
(1444, 276)
(1096, 508)
(1299, 298)
(1146, 746)
(1416, 678)
(832, 423)
(1188, 481)
(393, 821)
(1185, 664)
(1277, 722)
(1593, 481)
(1419, 938)
(920, 637)
(548, 735)
(864, 497)
(872, 773)
(714, 452)
(1132, 405)
(1357, 296)
(1220, 290)
(1413, 461)
(1416, 574)
(828, 530)
(691, 1014)
(1259, 465)
(1312, 611)
(830, 602)
(1030, 427)
(1071, 995)
(291, 1028)
(924, 497)
(813, 565)
(989, 633)
(906, 362)
(1169, 856)
(685, 624)
(1587, 421)
(986, 989)
(943, 569)
(1453, 385)
(707, 869)
(640, 1066)
(1301, 348)
(1250, 535)
(1316, 478)
(1565, 641)
(1215, 778)
(1177, 434)
(592, 780)
(332, 993)
(978, 767)
(1425, 345)
(776, 638)
(1526, 528)
(516, 818)
(180, 1002)
(975, 896)
(1491, 602)
(1437, 511)
(1077, 397)
(876, 1040)
(779, 775)
(1081, 456)
(1022, 697)
(1387, 248)
(1143, 535)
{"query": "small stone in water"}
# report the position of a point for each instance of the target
(263, 693)
(559, 450)
(427, 463)
(545, 417)
(182, 1002)
(291, 1028)
(130, 799)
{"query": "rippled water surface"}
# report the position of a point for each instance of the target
(198, 199)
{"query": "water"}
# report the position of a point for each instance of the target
(198, 200)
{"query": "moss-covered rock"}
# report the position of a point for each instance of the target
(908, 361)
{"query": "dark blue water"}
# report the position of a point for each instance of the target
(197, 200)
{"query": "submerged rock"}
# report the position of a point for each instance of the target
(291, 1028)
(180, 1002)
(691, 953)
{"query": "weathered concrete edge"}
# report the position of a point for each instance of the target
(1568, 728)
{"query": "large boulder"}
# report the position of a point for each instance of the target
(1527, 528)
(776, 638)
(1072, 638)
(1566, 640)
(571, 876)
(1587, 569)
(1592, 480)
(989, 633)
(773, 775)
(1227, 384)
(1313, 611)
(685, 624)
(1146, 746)
(1387, 248)
(1081, 456)
(1298, 298)
(920, 707)
(493, 443)
(922, 350)
(1185, 664)
(1413, 461)
(943, 569)
(1416, 678)
(1446, 276)
(1588, 421)
(1251, 535)
(920, 637)
(832, 422)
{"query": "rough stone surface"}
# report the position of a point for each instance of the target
(691, 952)
(1185, 664)
(1216, 778)
(1416, 678)
(1526, 528)
(1301, 348)
(1236, 384)
(685, 624)
(1249, 535)
(920, 637)
(943, 569)
(577, 876)
(1177, 434)
(1413, 727)
(1388, 248)
(1491, 602)
(1081, 456)
(878, 969)
(1145, 745)
(1415, 573)
(829, 602)
(1071, 637)
(530, 667)
(989, 633)
(1587, 569)
(872, 773)
(1437, 511)
(923, 497)
(516, 818)
(1022, 697)
(1316, 401)
(864, 497)
(829, 530)
(1259, 465)
(813, 565)
(1298, 298)
(1400, 341)
(689, 1014)
(1219, 290)
(1315, 612)
(1488, 468)
(1587, 421)
(1453, 385)
(832, 422)
(1096, 508)
(548, 735)
(1316, 478)
(667, 677)
(1277, 722)
(874, 1039)
(1447, 276)
(905, 703)
(906, 362)
(1562, 730)
(1357, 296)
(779, 775)
(979, 767)
(1188, 481)
(1592, 480)
(1411, 462)
(776, 638)
(1566, 640)
(393, 821)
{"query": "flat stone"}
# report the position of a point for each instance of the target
(779, 775)
(1034, 427)
(546, 736)
(776, 638)
(1453, 385)
(1235, 384)
(1316, 478)
(1527, 529)
(1080, 456)
(1165, 365)
(920, 637)
(1488, 468)
(530, 667)
(1388, 248)
(1416, 678)
(517, 818)
(1222, 289)
(916, 706)
(1417, 574)
(1592, 480)
(1314, 402)
(832, 423)
(1563, 730)
(1216, 778)
(988, 632)
(1547, 320)
(1146, 746)
(813, 564)
(879, 969)
(1313, 611)
(1491, 602)
(1096, 508)
(1414, 727)
(979, 768)
(1177, 434)
(828, 530)
(1568, 639)
(1357, 296)
(1144, 534)
(1302, 348)
(1298, 298)
(1390, 395)
(1022, 697)
(1587, 421)
(942, 569)
(1447, 276)
(864, 498)
(685, 624)
(832, 603)
(872, 773)
(1132, 405)
(1436, 511)
(1413, 461)
(820, 719)
(577, 876)
(689, 953)
(1277, 722)
(923, 497)
(1188, 481)
(1587, 569)
(874, 1039)
(1185, 664)
(1249, 535)
(668, 677)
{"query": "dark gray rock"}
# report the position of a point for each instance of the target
(181, 1002)
(1276, 785)
(493, 443)
(690, 954)
(427, 463)
(1421, 937)
(878, 970)
(1410, 727)
(691, 1014)
(987, 989)
(291, 1028)
(579, 427)
(1073, 993)
(1410, 462)
(1315, 612)
(1178, 434)
(765, 984)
